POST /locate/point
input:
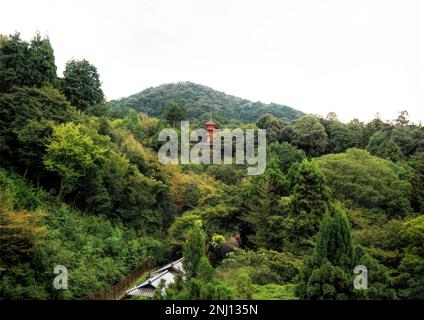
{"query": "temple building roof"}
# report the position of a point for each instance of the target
(167, 272)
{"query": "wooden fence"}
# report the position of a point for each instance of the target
(116, 291)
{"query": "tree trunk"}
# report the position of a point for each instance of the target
(59, 195)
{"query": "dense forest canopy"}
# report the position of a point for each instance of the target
(199, 101)
(81, 186)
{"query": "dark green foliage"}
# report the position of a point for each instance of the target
(81, 84)
(95, 251)
(27, 116)
(411, 270)
(174, 113)
(389, 150)
(308, 204)
(115, 203)
(199, 100)
(228, 174)
(26, 64)
(309, 135)
(417, 181)
(285, 154)
(276, 129)
(342, 136)
(200, 282)
(328, 272)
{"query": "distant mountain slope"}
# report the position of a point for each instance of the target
(199, 100)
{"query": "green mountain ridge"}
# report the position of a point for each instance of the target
(199, 100)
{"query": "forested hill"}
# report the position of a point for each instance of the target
(198, 101)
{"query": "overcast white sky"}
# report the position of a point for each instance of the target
(354, 57)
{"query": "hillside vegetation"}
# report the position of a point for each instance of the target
(81, 186)
(199, 100)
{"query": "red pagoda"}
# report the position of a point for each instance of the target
(211, 126)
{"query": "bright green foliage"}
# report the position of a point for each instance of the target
(26, 64)
(363, 181)
(263, 266)
(309, 135)
(178, 231)
(200, 282)
(273, 291)
(174, 113)
(81, 84)
(70, 153)
(205, 271)
(107, 163)
(26, 114)
(193, 252)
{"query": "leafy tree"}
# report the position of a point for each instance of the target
(370, 129)
(3, 39)
(325, 274)
(403, 118)
(81, 84)
(417, 181)
(376, 140)
(309, 135)
(193, 252)
(363, 181)
(32, 143)
(70, 153)
(403, 137)
(42, 63)
(26, 64)
(274, 127)
(308, 204)
(285, 154)
(174, 113)
(411, 278)
(199, 100)
(261, 208)
(389, 150)
(344, 136)
(26, 116)
(20, 231)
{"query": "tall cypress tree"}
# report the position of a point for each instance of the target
(309, 202)
(26, 64)
(193, 252)
(326, 274)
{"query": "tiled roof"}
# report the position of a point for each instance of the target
(167, 273)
